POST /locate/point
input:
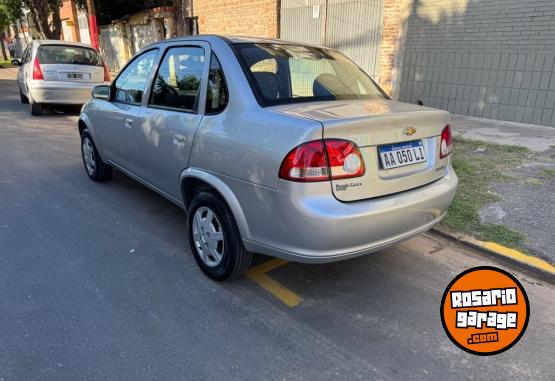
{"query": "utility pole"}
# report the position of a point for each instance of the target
(188, 12)
(93, 29)
(184, 17)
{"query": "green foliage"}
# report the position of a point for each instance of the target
(4, 20)
(547, 173)
(479, 164)
(189, 82)
(10, 10)
(5, 64)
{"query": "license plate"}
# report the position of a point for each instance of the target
(75, 75)
(401, 154)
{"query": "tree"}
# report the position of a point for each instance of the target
(4, 23)
(10, 11)
(46, 16)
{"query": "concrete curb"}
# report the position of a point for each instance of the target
(529, 262)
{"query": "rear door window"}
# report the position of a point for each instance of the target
(177, 83)
(217, 94)
(69, 55)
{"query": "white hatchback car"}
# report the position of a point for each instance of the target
(59, 72)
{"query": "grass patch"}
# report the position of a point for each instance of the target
(547, 173)
(5, 64)
(478, 164)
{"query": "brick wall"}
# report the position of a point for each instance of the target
(492, 59)
(237, 17)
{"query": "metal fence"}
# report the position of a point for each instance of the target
(350, 26)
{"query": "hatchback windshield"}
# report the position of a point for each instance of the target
(281, 73)
(66, 54)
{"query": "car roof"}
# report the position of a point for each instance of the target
(58, 42)
(234, 40)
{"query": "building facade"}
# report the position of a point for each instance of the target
(75, 24)
(489, 58)
(120, 40)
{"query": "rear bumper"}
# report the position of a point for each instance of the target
(61, 92)
(304, 224)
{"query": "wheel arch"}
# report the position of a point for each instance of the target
(85, 123)
(193, 179)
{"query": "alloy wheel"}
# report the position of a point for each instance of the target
(88, 156)
(208, 236)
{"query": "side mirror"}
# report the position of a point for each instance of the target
(101, 92)
(16, 62)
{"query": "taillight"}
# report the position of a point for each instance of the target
(322, 160)
(37, 72)
(306, 162)
(344, 158)
(106, 72)
(446, 145)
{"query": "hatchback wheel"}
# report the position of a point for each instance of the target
(22, 97)
(37, 109)
(215, 239)
(94, 166)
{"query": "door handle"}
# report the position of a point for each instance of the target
(129, 123)
(179, 140)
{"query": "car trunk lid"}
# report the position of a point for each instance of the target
(67, 63)
(381, 126)
(72, 73)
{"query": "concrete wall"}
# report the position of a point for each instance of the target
(68, 14)
(122, 39)
(486, 58)
(114, 47)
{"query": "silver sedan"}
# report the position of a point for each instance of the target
(271, 147)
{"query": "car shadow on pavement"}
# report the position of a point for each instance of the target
(12, 102)
(66, 110)
(144, 205)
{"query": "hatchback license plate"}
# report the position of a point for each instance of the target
(75, 75)
(401, 154)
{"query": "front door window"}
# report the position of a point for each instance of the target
(131, 83)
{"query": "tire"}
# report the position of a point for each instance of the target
(96, 169)
(37, 109)
(234, 260)
(22, 97)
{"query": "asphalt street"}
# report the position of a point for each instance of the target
(97, 283)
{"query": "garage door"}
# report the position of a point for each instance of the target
(350, 26)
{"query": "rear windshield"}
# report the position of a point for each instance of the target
(282, 73)
(66, 54)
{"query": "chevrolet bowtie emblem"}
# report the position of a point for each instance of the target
(409, 131)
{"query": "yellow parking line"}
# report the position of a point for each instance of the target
(258, 275)
(518, 256)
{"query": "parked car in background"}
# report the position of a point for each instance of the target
(59, 72)
(271, 147)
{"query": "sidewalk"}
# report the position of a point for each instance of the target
(525, 192)
(9, 73)
(535, 138)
